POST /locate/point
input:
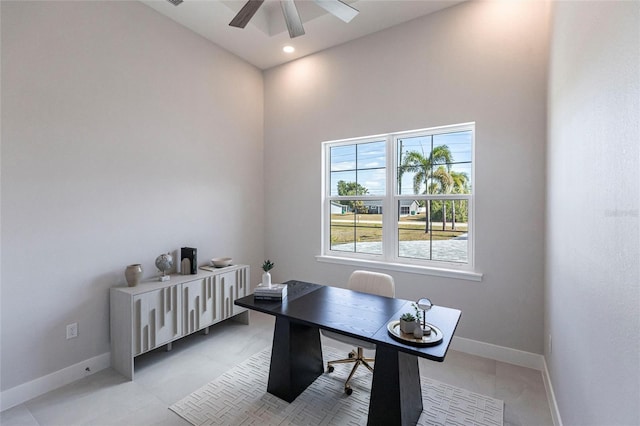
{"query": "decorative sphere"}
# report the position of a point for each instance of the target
(164, 262)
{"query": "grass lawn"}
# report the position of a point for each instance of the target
(368, 227)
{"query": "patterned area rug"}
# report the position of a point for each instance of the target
(239, 397)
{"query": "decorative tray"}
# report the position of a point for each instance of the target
(212, 268)
(431, 340)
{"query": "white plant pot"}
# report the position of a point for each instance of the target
(266, 279)
(407, 326)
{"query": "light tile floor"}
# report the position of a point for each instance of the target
(162, 378)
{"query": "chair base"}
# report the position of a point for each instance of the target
(358, 359)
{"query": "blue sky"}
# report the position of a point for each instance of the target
(367, 160)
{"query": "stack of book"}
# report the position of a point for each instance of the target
(274, 292)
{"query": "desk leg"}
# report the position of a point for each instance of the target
(396, 396)
(296, 359)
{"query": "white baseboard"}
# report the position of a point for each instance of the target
(498, 353)
(26, 391)
(551, 396)
(515, 357)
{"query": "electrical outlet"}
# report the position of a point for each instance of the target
(72, 330)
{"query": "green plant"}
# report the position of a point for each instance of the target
(418, 313)
(268, 265)
(408, 316)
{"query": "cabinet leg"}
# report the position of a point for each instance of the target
(169, 346)
(206, 331)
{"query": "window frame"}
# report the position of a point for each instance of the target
(390, 259)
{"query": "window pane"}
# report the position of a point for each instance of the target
(422, 236)
(360, 167)
(413, 164)
(414, 236)
(356, 226)
(343, 183)
(343, 157)
(372, 182)
(371, 155)
(438, 164)
(458, 145)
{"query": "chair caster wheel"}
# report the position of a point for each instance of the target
(330, 369)
(352, 354)
(348, 390)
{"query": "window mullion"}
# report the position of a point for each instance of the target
(389, 217)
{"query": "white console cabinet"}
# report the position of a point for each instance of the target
(155, 313)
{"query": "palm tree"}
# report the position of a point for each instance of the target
(460, 186)
(443, 184)
(422, 166)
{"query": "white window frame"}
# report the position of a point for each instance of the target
(390, 260)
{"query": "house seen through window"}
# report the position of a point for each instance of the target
(402, 198)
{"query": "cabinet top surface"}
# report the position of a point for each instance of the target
(152, 283)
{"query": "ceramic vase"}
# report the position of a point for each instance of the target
(417, 330)
(133, 274)
(266, 279)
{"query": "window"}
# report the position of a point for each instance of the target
(402, 198)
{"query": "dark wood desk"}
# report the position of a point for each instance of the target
(296, 358)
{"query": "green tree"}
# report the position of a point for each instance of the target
(442, 183)
(351, 189)
(423, 168)
(460, 186)
(448, 182)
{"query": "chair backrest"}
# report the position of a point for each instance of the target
(372, 282)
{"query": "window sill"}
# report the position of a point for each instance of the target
(401, 267)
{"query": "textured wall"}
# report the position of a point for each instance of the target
(124, 136)
(593, 235)
(478, 61)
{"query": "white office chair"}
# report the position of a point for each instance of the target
(366, 282)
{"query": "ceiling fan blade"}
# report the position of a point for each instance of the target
(175, 2)
(291, 17)
(338, 8)
(246, 13)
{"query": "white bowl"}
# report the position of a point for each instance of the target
(221, 262)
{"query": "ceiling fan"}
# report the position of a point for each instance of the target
(337, 8)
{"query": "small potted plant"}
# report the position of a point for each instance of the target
(407, 323)
(266, 276)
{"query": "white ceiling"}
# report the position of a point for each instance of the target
(261, 42)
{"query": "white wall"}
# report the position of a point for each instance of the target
(124, 136)
(479, 61)
(593, 235)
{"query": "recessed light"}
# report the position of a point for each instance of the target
(288, 49)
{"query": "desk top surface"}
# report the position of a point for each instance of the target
(361, 315)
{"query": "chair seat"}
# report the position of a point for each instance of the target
(348, 340)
